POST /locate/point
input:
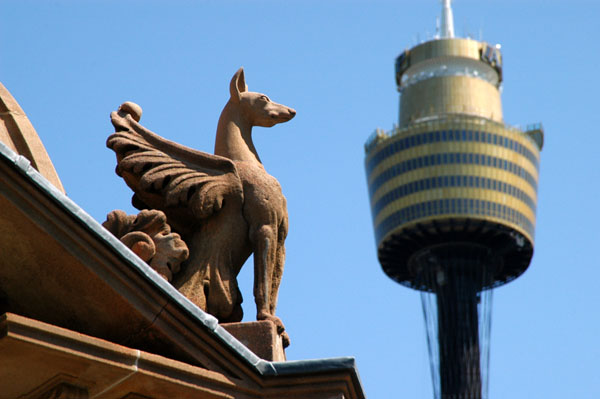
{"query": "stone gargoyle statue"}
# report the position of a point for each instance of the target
(225, 206)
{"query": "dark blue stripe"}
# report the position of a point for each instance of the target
(397, 145)
(448, 159)
(462, 181)
(462, 206)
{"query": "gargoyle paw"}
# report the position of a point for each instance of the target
(276, 320)
(285, 339)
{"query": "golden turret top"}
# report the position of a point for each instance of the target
(449, 76)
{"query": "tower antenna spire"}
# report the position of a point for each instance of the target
(447, 30)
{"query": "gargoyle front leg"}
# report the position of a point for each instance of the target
(264, 241)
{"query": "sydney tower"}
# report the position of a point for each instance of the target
(453, 193)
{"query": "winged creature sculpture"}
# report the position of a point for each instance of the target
(225, 206)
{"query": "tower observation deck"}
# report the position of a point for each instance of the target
(453, 193)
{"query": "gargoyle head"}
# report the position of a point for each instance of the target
(257, 108)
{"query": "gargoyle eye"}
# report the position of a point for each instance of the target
(263, 97)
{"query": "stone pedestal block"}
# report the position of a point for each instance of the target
(260, 337)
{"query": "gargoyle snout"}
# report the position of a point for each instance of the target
(285, 114)
(279, 114)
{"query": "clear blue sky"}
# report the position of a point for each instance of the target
(70, 63)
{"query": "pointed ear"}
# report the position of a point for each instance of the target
(237, 85)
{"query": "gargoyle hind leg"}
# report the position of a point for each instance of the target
(278, 274)
(279, 264)
(264, 241)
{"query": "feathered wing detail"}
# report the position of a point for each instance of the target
(186, 184)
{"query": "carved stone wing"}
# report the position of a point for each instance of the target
(186, 184)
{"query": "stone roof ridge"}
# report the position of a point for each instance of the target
(18, 133)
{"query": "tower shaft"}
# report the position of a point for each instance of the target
(458, 335)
